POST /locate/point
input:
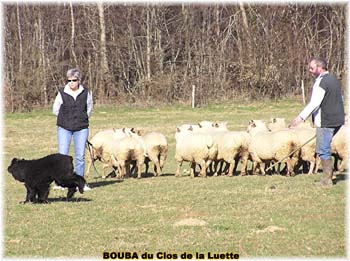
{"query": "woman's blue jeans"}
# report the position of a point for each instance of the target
(80, 137)
(323, 141)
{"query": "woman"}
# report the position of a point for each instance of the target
(73, 106)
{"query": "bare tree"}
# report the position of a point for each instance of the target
(155, 53)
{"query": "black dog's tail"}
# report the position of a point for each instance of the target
(72, 181)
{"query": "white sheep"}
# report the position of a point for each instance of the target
(209, 126)
(307, 151)
(124, 152)
(276, 124)
(232, 146)
(156, 150)
(339, 148)
(100, 148)
(266, 146)
(195, 148)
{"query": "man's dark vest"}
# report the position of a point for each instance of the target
(332, 106)
(73, 113)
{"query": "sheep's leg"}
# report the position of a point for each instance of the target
(336, 162)
(262, 168)
(225, 170)
(114, 163)
(255, 167)
(122, 169)
(244, 162)
(215, 169)
(290, 171)
(317, 164)
(104, 167)
(147, 165)
(279, 165)
(203, 172)
(179, 164)
(139, 166)
(193, 169)
(156, 166)
(128, 169)
(162, 158)
(342, 165)
(231, 169)
(312, 166)
(211, 168)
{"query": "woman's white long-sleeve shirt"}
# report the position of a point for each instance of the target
(58, 100)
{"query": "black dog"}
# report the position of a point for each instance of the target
(38, 174)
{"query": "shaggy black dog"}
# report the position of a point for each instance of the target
(38, 174)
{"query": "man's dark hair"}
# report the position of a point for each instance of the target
(320, 62)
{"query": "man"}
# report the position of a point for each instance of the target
(327, 109)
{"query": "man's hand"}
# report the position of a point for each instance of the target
(295, 122)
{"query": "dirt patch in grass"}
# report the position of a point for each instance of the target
(270, 229)
(190, 222)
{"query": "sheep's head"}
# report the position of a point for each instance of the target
(256, 125)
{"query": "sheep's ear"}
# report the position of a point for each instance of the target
(216, 125)
(123, 130)
(190, 128)
(113, 129)
(178, 129)
(133, 130)
(200, 126)
(140, 132)
(274, 120)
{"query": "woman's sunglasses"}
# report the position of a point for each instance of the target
(74, 80)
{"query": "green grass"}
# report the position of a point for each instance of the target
(253, 216)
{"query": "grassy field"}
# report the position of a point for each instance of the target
(253, 216)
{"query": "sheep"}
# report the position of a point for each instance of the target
(156, 151)
(195, 148)
(276, 124)
(126, 150)
(232, 145)
(308, 151)
(208, 126)
(100, 149)
(266, 146)
(339, 149)
(305, 124)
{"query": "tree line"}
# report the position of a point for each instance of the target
(155, 53)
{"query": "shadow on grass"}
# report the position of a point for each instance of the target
(104, 183)
(152, 175)
(72, 200)
(167, 175)
(341, 177)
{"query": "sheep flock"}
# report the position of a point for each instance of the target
(262, 149)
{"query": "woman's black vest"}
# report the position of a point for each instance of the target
(73, 113)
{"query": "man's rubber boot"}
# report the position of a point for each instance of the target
(327, 168)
